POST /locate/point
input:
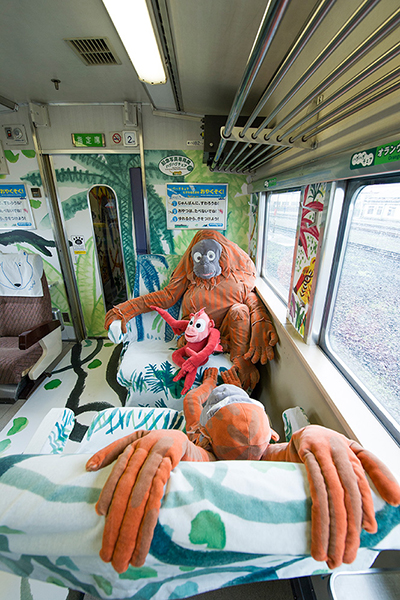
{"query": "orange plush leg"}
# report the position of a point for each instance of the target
(236, 329)
(194, 400)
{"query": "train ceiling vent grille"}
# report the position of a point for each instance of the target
(94, 51)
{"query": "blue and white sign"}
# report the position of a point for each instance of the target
(197, 205)
(15, 208)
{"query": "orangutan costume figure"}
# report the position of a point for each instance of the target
(224, 423)
(216, 274)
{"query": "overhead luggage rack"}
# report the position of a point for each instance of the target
(246, 143)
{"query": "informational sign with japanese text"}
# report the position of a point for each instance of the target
(197, 205)
(15, 209)
(376, 156)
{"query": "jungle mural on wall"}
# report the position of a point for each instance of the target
(75, 175)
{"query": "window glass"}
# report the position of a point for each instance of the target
(280, 236)
(364, 330)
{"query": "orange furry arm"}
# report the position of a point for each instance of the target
(164, 298)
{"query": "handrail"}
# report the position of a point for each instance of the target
(272, 17)
(340, 113)
(242, 156)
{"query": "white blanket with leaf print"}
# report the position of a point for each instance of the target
(220, 524)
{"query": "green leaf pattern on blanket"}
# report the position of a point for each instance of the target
(134, 573)
(19, 423)
(38, 484)
(208, 528)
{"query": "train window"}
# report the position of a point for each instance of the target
(362, 329)
(280, 235)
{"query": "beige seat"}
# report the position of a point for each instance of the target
(30, 339)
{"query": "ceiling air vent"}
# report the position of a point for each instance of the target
(94, 51)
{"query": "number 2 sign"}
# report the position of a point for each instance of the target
(129, 138)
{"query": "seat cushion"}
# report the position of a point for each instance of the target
(14, 361)
(147, 370)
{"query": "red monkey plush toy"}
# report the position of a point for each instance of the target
(229, 426)
(202, 339)
(217, 274)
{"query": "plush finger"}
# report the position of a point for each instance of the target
(120, 503)
(124, 543)
(149, 521)
(337, 509)
(249, 354)
(368, 517)
(107, 492)
(352, 500)
(211, 373)
(231, 376)
(107, 455)
(319, 509)
(380, 475)
(267, 355)
(256, 355)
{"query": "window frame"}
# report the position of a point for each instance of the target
(264, 236)
(352, 191)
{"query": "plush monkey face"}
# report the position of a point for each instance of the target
(206, 255)
(199, 327)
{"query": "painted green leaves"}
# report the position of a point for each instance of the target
(19, 423)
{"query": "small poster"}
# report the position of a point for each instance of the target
(197, 205)
(15, 208)
(309, 237)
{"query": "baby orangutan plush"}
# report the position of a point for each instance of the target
(232, 426)
(202, 339)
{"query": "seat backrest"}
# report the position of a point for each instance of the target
(21, 313)
(153, 272)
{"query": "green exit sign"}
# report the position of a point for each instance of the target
(88, 140)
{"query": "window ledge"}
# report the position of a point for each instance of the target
(356, 418)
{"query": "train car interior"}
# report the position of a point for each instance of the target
(127, 128)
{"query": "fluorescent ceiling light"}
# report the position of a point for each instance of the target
(132, 21)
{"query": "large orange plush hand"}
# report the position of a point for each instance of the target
(131, 497)
(341, 497)
(263, 338)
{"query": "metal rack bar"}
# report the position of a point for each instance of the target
(316, 18)
(369, 70)
(355, 109)
(266, 33)
(357, 17)
(379, 34)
